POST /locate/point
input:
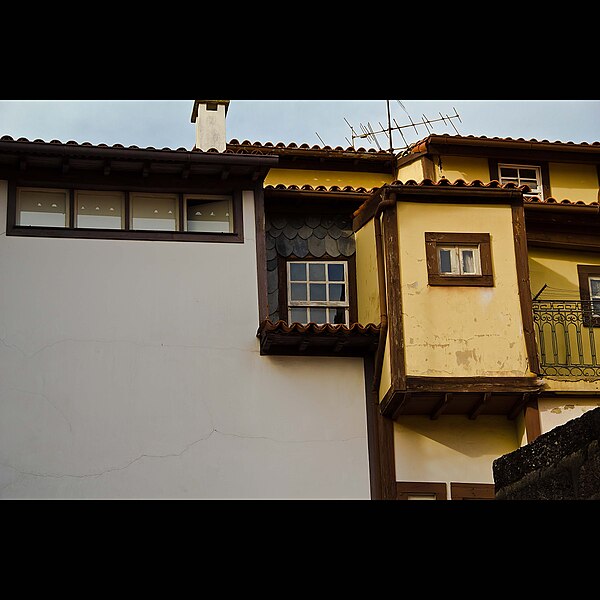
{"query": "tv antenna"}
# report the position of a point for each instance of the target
(367, 132)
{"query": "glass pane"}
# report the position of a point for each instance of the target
(595, 287)
(318, 291)
(99, 210)
(316, 272)
(318, 315)
(154, 212)
(337, 292)
(468, 261)
(298, 315)
(337, 316)
(298, 291)
(42, 208)
(209, 216)
(297, 271)
(335, 272)
(445, 261)
(508, 172)
(528, 174)
(596, 309)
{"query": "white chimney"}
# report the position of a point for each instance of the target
(209, 116)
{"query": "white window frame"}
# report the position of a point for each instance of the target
(345, 304)
(538, 192)
(594, 298)
(456, 261)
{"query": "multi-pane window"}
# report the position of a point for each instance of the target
(38, 207)
(523, 175)
(595, 295)
(119, 214)
(459, 260)
(317, 292)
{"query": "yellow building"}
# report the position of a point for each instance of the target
(466, 275)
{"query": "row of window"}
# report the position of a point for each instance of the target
(42, 207)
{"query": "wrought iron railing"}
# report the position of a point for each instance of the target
(568, 342)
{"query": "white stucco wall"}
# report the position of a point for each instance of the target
(130, 369)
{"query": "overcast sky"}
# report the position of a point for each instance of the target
(166, 123)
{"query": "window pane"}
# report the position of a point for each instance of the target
(318, 315)
(528, 174)
(337, 292)
(445, 261)
(335, 272)
(298, 291)
(154, 212)
(42, 208)
(99, 210)
(595, 287)
(297, 271)
(298, 315)
(316, 272)
(318, 291)
(468, 261)
(209, 216)
(337, 316)
(508, 172)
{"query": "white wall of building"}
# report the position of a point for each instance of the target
(131, 369)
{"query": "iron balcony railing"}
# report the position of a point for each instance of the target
(568, 337)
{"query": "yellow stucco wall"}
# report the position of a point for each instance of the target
(413, 170)
(460, 331)
(326, 178)
(462, 167)
(558, 269)
(451, 449)
(573, 182)
(367, 286)
(558, 410)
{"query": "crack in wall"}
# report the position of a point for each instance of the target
(171, 455)
(140, 344)
(47, 400)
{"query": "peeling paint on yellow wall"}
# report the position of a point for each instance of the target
(460, 331)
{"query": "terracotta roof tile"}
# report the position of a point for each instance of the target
(327, 328)
(320, 188)
(267, 146)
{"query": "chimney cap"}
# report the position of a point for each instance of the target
(198, 102)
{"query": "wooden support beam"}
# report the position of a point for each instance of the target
(403, 401)
(479, 405)
(442, 405)
(517, 407)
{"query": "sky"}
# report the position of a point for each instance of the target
(167, 124)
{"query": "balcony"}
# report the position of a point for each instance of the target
(568, 338)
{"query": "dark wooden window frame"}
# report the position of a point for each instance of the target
(126, 233)
(472, 491)
(352, 290)
(584, 272)
(406, 488)
(542, 165)
(432, 240)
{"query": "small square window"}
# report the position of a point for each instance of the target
(209, 214)
(523, 175)
(99, 210)
(37, 207)
(459, 259)
(154, 212)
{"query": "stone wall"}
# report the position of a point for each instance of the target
(562, 464)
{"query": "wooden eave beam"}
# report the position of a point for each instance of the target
(479, 405)
(441, 406)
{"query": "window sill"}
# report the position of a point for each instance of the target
(121, 234)
(281, 339)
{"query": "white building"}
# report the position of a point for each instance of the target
(129, 361)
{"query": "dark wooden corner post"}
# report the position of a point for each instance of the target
(381, 428)
(531, 411)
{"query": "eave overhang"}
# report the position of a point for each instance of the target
(283, 339)
(27, 156)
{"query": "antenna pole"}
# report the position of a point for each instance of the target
(390, 127)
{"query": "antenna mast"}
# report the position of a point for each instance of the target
(370, 134)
